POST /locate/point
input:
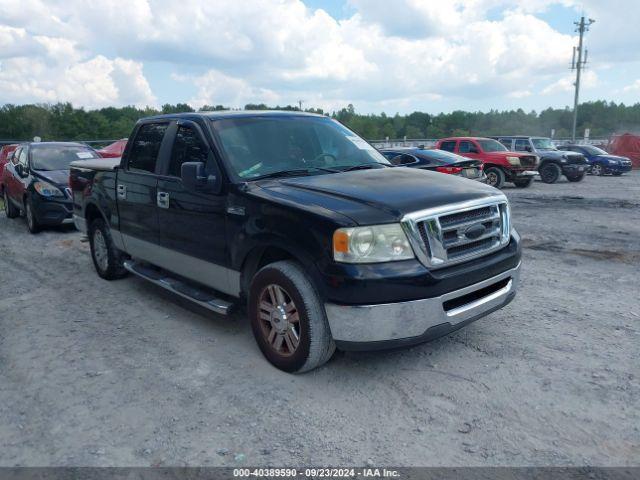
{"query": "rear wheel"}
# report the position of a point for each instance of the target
(575, 178)
(107, 259)
(550, 172)
(495, 177)
(32, 221)
(9, 208)
(288, 318)
(523, 183)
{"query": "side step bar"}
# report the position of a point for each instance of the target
(196, 295)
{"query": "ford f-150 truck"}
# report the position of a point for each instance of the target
(304, 222)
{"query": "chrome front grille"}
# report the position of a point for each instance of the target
(458, 233)
(529, 161)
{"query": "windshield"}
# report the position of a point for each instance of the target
(489, 145)
(543, 144)
(591, 150)
(58, 157)
(262, 145)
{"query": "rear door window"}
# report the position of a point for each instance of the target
(449, 145)
(506, 142)
(466, 147)
(146, 146)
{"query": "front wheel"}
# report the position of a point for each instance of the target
(32, 221)
(10, 210)
(576, 178)
(107, 259)
(524, 183)
(596, 169)
(495, 177)
(288, 318)
(550, 173)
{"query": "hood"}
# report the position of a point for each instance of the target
(613, 157)
(509, 154)
(559, 154)
(379, 195)
(60, 178)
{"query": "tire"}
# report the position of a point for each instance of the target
(523, 183)
(285, 283)
(576, 178)
(495, 177)
(9, 208)
(596, 169)
(30, 216)
(107, 259)
(550, 172)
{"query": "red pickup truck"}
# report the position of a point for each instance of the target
(500, 165)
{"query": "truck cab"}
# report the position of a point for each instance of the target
(553, 162)
(500, 164)
(304, 223)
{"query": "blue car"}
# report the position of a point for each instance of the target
(601, 161)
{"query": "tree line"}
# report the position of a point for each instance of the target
(62, 121)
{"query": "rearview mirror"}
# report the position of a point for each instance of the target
(195, 178)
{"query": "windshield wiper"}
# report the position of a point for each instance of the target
(291, 173)
(364, 166)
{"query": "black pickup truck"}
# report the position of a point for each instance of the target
(296, 217)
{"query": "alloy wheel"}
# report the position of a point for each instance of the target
(279, 320)
(596, 169)
(100, 250)
(492, 179)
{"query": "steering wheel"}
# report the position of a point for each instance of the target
(323, 155)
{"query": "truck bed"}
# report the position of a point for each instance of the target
(103, 164)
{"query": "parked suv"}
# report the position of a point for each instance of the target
(601, 161)
(36, 182)
(500, 165)
(303, 221)
(553, 162)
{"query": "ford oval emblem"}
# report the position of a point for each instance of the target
(474, 231)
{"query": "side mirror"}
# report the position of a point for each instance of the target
(195, 178)
(528, 148)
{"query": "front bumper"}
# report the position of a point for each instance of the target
(617, 168)
(52, 212)
(524, 173)
(572, 169)
(390, 325)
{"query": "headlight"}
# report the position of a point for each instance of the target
(613, 162)
(513, 160)
(378, 243)
(47, 190)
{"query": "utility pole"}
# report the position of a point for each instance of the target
(300, 104)
(578, 65)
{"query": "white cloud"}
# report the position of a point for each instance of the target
(633, 87)
(395, 57)
(589, 79)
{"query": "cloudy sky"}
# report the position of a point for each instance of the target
(380, 55)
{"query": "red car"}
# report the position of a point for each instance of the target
(114, 150)
(500, 165)
(6, 152)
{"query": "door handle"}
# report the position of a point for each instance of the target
(122, 191)
(163, 199)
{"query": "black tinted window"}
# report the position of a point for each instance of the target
(145, 148)
(187, 147)
(449, 146)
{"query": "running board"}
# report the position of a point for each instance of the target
(196, 295)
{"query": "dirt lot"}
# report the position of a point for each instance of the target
(121, 373)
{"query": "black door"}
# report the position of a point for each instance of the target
(192, 223)
(136, 190)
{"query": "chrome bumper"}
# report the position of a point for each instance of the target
(407, 320)
(80, 223)
(527, 173)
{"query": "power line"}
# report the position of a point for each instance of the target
(581, 27)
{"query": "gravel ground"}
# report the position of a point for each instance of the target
(121, 373)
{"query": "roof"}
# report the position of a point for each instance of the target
(518, 136)
(45, 144)
(465, 138)
(234, 114)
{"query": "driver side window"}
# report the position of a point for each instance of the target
(521, 145)
(187, 147)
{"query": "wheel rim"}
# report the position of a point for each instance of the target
(492, 178)
(100, 251)
(29, 213)
(547, 174)
(279, 320)
(596, 170)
